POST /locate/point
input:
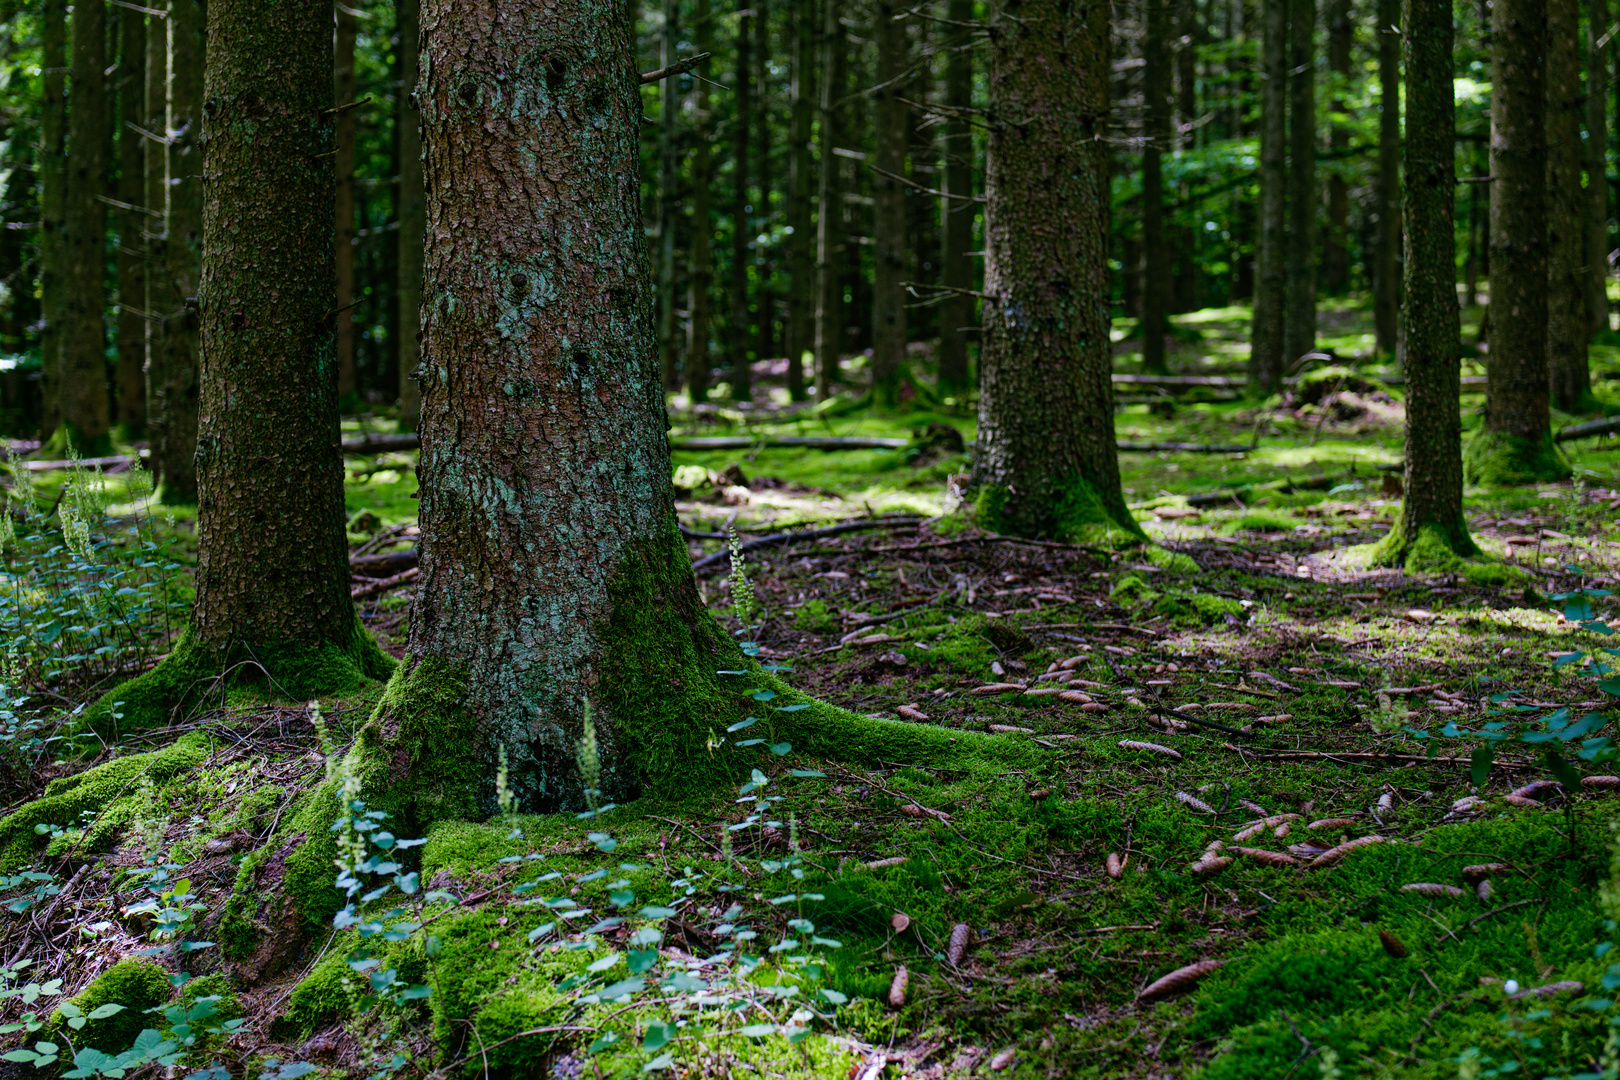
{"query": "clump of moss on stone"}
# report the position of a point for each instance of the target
(137, 985)
(1494, 459)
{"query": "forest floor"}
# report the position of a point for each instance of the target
(1196, 741)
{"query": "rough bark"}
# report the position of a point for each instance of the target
(343, 83)
(1597, 171)
(669, 183)
(85, 408)
(412, 215)
(1299, 321)
(1567, 326)
(762, 255)
(1046, 464)
(830, 208)
(1156, 136)
(742, 131)
(131, 339)
(1188, 275)
(155, 119)
(1271, 270)
(175, 368)
(1386, 192)
(52, 205)
(700, 261)
(1515, 444)
(272, 563)
(1336, 249)
(801, 241)
(889, 205)
(1431, 531)
(956, 311)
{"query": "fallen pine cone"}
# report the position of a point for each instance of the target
(1114, 866)
(1092, 706)
(1334, 854)
(1519, 800)
(1270, 858)
(1539, 789)
(1044, 691)
(913, 810)
(911, 712)
(1011, 729)
(897, 986)
(1075, 696)
(1601, 783)
(1485, 891)
(1483, 870)
(996, 688)
(1152, 748)
(1333, 823)
(961, 933)
(1250, 832)
(1183, 978)
(1569, 986)
(1429, 888)
(879, 864)
(1194, 802)
(1040, 793)
(899, 920)
(1392, 944)
(1211, 864)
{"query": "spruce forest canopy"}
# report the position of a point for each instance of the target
(844, 539)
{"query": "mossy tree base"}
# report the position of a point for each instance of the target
(1435, 548)
(67, 439)
(1497, 459)
(1074, 511)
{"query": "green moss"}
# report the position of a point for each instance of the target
(320, 998)
(1259, 521)
(1173, 561)
(816, 617)
(286, 888)
(137, 985)
(1441, 551)
(1492, 458)
(110, 791)
(417, 758)
(1197, 609)
(1074, 512)
(192, 670)
(1133, 590)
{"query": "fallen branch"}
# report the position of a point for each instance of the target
(89, 462)
(1185, 448)
(811, 442)
(386, 564)
(724, 556)
(383, 444)
(365, 592)
(1589, 429)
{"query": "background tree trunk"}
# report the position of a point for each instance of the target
(1597, 169)
(889, 205)
(155, 120)
(1336, 249)
(763, 255)
(132, 223)
(1047, 465)
(956, 213)
(701, 265)
(669, 183)
(742, 383)
(53, 206)
(801, 241)
(1271, 269)
(1299, 322)
(85, 411)
(1387, 193)
(1431, 529)
(343, 84)
(412, 214)
(1156, 136)
(830, 208)
(1567, 325)
(1515, 444)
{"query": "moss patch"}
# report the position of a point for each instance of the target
(137, 985)
(1075, 512)
(1495, 459)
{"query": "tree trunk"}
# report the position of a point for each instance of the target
(1299, 322)
(763, 254)
(956, 211)
(801, 258)
(1387, 195)
(132, 223)
(412, 214)
(158, 291)
(1336, 252)
(889, 205)
(1431, 531)
(85, 410)
(742, 383)
(1271, 271)
(830, 253)
(1184, 239)
(1156, 136)
(343, 83)
(1515, 444)
(53, 207)
(1047, 465)
(1597, 170)
(1567, 325)
(669, 195)
(701, 265)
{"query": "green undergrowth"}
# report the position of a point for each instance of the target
(135, 984)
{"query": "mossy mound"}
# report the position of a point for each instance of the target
(137, 985)
(1494, 459)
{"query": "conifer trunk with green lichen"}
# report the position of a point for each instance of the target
(272, 563)
(86, 409)
(1047, 463)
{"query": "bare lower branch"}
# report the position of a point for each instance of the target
(680, 67)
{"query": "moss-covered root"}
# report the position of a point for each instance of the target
(1493, 458)
(1073, 511)
(109, 793)
(1438, 550)
(193, 670)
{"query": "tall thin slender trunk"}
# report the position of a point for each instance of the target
(1271, 270)
(1431, 529)
(830, 207)
(156, 154)
(701, 265)
(889, 205)
(412, 214)
(956, 211)
(1299, 322)
(53, 206)
(131, 223)
(85, 408)
(922, 221)
(763, 254)
(343, 84)
(1047, 463)
(801, 258)
(1597, 169)
(742, 388)
(1515, 444)
(1156, 136)
(669, 182)
(176, 369)
(1567, 325)
(1184, 239)
(1387, 191)
(1336, 250)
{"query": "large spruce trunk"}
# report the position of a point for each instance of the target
(1271, 272)
(156, 165)
(1568, 328)
(1336, 249)
(801, 302)
(669, 196)
(1156, 136)
(742, 130)
(52, 206)
(956, 211)
(889, 205)
(1047, 464)
(412, 213)
(131, 340)
(343, 83)
(1299, 322)
(700, 262)
(830, 250)
(85, 405)
(1386, 192)
(1597, 183)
